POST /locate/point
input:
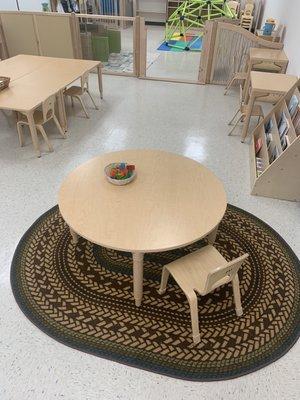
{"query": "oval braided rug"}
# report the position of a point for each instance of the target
(82, 296)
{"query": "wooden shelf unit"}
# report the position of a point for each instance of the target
(152, 10)
(280, 177)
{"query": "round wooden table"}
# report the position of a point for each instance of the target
(174, 201)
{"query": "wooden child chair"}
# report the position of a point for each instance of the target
(237, 75)
(40, 118)
(77, 92)
(243, 109)
(234, 6)
(202, 272)
(247, 15)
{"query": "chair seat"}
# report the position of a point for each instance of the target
(191, 271)
(240, 75)
(257, 110)
(267, 67)
(37, 116)
(74, 91)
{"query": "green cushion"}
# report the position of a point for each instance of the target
(114, 40)
(100, 48)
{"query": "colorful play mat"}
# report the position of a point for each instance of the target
(182, 43)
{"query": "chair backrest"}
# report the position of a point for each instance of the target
(48, 108)
(233, 5)
(249, 7)
(85, 81)
(267, 66)
(224, 273)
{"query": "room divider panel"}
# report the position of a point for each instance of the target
(22, 40)
(38, 33)
(225, 51)
(110, 39)
(113, 40)
(62, 42)
(121, 44)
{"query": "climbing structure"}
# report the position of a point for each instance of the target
(193, 14)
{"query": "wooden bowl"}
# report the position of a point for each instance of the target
(118, 182)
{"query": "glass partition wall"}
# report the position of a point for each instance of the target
(111, 40)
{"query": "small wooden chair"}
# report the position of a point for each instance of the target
(237, 75)
(202, 272)
(40, 118)
(247, 15)
(78, 91)
(257, 111)
(234, 6)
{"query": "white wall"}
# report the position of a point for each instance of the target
(9, 5)
(288, 14)
(25, 5)
(31, 5)
(273, 8)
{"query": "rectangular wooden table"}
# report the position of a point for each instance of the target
(264, 84)
(35, 78)
(268, 59)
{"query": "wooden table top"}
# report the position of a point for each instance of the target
(271, 83)
(268, 54)
(174, 201)
(34, 78)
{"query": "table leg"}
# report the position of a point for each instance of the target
(33, 132)
(99, 71)
(248, 116)
(138, 260)
(62, 116)
(74, 235)
(212, 236)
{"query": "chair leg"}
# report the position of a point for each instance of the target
(193, 301)
(233, 118)
(164, 280)
(235, 125)
(88, 92)
(44, 134)
(229, 86)
(20, 133)
(72, 101)
(237, 295)
(59, 127)
(82, 105)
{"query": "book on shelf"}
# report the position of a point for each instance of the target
(268, 130)
(259, 166)
(283, 124)
(284, 141)
(258, 145)
(269, 126)
(273, 152)
(293, 105)
(296, 122)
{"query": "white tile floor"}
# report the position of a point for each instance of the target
(185, 119)
(168, 64)
(164, 64)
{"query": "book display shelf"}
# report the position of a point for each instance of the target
(275, 150)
